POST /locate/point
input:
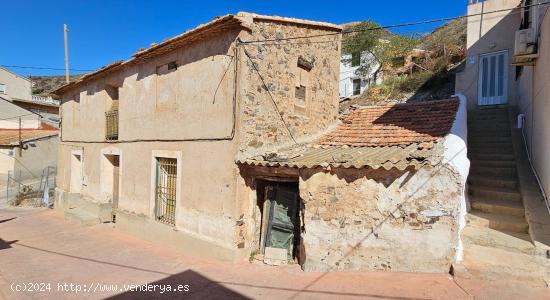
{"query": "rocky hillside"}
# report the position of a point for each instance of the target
(435, 76)
(43, 85)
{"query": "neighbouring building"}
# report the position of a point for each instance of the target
(27, 145)
(353, 82)
(18, 90)
(225, 141)
(505, 79)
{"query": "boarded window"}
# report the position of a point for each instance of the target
(165, 190)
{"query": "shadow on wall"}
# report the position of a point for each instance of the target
(187, 284)
(6, 244)
(196, 52)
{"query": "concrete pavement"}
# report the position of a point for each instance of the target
(42, 256)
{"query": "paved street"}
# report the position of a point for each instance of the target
(41, 251)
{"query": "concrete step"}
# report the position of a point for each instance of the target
(490, 156)
(484, 181)
(490, 139)
(493, 163)
(489, 145)
(500, 222)
(481, 133)
(494, 193)
(497, 206)
(494, 171)
(81, 217)
(491, 263)
(477, 232)
(490, 150)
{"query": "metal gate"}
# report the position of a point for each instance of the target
(165, 191)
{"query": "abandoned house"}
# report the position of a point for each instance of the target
(27, 145)
(224, 141)
(505, 79)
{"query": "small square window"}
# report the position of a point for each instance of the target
(2, 88)
(172, 65)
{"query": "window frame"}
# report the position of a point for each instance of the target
(155, 154)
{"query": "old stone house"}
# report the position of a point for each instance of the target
(151, 142)
(383, 191)
(224, 141)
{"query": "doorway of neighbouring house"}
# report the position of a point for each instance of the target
(76, 173)
(111, 181)
(493, 78)
(280, 228)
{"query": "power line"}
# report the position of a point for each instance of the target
(276, 40)
(43, 68)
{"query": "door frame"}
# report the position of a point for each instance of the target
(266, 209)
(505, 78)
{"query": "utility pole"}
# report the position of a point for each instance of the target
(65, 31)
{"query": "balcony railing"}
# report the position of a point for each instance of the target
(111, 125)
(45, 100)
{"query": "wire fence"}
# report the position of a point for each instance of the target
(35, 191)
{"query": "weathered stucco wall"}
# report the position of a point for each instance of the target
(536, 106)
(35, 158)
(262, 113)
(205, 205)
(16, 86)
(487, 34)
(364, 219)
(194, 101)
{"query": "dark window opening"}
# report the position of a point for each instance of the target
(356, 86)
(300, 93)
(527, 18)
(172, 65)
(355, 59)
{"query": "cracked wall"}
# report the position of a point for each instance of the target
(364, 219)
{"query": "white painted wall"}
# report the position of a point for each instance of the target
(349, 73)
(456, 156)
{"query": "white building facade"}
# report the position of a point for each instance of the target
(352, 82)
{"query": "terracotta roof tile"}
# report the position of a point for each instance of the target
(395, 125)
(10, 137)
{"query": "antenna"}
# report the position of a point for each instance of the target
(65, 31)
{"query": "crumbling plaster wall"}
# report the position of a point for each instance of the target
(265, 122)
(364, 219)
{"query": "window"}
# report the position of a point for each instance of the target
(527, 18)
(302, 82)
(172, 66)
(111, 115)
(356, 86)
(300, 94)
(165, 190)
(355, 59)
(2, 88)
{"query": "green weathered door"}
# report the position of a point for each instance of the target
(283, 216)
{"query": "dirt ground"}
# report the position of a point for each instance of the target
(42, 256)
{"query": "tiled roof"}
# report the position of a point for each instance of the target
(394, 136)
(395, 125)
(10, 137)
(349, 157)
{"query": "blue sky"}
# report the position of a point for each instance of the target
(104, 31)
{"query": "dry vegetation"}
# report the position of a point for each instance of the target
(43, 85)
(446, 48)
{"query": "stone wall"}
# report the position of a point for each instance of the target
(268, 119)
(364, 219)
